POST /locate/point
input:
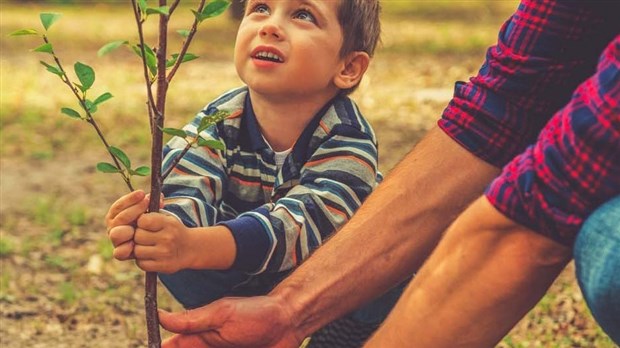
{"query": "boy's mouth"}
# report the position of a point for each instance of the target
(268, 56)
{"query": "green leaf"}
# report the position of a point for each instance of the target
(47, 19)
(175, 132)
(71, 113)
(210, 120)
(90, 106)
(183, 32)
(151, 59)
(163, 10)
(110, 46)
(45, 48)
(142, 5)
(212, 144)
(141, 171)
(85, 74)
(23, 32)
(186, 58)
(52, 69)
(215, 8)
(105, 167)
(105, 96)
(121, 156)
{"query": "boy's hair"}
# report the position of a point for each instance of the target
(360, 24)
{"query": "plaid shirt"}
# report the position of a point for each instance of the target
(543, 108)
(277, 217)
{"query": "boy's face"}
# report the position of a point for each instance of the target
(290, 47)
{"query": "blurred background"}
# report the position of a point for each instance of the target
(59, 286)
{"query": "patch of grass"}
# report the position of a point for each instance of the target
(6, 247)
(67, 292)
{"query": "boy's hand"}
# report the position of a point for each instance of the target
(121, 219)
(163, 243)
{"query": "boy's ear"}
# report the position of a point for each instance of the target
(353, 69)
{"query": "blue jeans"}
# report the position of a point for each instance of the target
(196, 288)
(597, 263)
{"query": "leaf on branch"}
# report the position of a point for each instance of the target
(52, 69)
(210, 120)
(104, 97)
(47, 19)
(212, 144)
(186, 58)
(141, 171)
(213, 9)
(110, 46)
(121, 156)
(163, 10)
(105, 167)
(71, 113)
(175, 132)
(85, 74)
(23, 32)
(45, 48)
(151, 59)
(183, 32)
(90, 106)
(142, 5)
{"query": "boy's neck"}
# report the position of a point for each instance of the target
(282, 120)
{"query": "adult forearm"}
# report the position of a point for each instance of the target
(484, 275)
(390, 236)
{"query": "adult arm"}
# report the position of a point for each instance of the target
(485, 274)
(500, 267)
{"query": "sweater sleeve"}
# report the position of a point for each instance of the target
(333, 183)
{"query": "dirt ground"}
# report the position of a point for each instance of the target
(60, 287)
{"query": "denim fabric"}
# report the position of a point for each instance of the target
(597, 262)
(196, 288)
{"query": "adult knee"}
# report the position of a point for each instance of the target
(597, 262)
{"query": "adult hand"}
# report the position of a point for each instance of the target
(262, 321)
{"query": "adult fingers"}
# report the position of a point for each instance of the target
(126, 209)
(190, 321)
(185, 341)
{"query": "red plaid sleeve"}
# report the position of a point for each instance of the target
(544, 51)
(574, 166)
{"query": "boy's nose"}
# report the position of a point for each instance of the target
(271, 30)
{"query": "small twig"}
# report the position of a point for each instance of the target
(147, 78)
(89, 117)
(186, 44)
(176, 161)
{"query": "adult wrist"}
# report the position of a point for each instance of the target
(290, 297)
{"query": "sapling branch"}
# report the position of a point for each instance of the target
(89, 117)
(186, 43)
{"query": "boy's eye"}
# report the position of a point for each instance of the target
(261, 8)
(304, 15)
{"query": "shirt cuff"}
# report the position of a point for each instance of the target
(253, 244)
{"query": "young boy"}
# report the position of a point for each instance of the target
(299, 158)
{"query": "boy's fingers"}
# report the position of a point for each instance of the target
(144, 237)
(123, 203)
(124, 251)
(121, 234)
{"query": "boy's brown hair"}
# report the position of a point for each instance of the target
(361, 28)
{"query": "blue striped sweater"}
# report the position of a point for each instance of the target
(277, 217)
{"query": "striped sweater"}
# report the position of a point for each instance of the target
(277, 217)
